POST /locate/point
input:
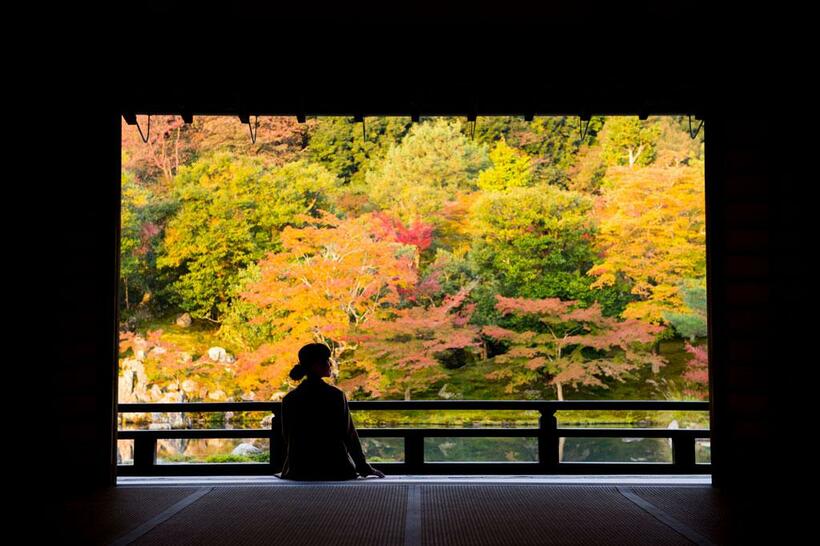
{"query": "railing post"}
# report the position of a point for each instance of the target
(277, 447)
(145, 454)
(683, 452)
(548, 440)
(413, 452)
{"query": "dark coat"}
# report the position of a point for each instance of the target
(320, 440)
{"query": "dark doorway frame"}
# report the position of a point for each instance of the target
(438, 64)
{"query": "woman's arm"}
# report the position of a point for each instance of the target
(354, 445)
(284, 432)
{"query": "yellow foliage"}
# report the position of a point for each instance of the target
(653, 232)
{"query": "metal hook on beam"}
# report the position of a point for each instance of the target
(253, 129)
(472, 118)
(584, 128)
(358, 118)
(695, 134)
(301, 117)
(131, 119)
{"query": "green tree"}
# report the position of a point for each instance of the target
(142, 215)
(692, 323)
(135, 201)
(422, 174)
(511, 169)
(339, 144)
(536, 242)
(552, 142)
(231, 211)
(629, 141)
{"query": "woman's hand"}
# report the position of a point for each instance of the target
(370, 471)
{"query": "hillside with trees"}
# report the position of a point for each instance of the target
(436, 260)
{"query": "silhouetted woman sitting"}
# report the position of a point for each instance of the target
(321, 442)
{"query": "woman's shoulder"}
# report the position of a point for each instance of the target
(306, 389)
(333, 389)
(332, 392)
(293, 394)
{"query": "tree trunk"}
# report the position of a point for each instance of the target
(560, 390)
(407, 393)
(634, 158)
(125, 282)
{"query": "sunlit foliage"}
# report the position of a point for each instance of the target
(533, 256)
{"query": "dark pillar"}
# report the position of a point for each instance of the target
(86, 230)
(744, 239)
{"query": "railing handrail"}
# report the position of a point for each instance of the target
(547, 435)
(389, 405)
(428, 432)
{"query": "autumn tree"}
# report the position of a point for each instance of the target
(567, 345)
(413, 345)
(417, 233)
(279, 139)
(696, 375)
(169, 147)
(652, 232)
(675, 147)
(587, 172)
(231, 210)
(331, 276)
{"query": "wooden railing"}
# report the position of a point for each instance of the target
(547, 433)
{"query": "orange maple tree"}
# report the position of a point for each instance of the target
(331, 276)
(697, 372)
(412, 342)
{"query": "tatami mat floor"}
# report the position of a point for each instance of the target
(408, 511)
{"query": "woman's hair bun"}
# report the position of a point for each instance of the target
(297, 372)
